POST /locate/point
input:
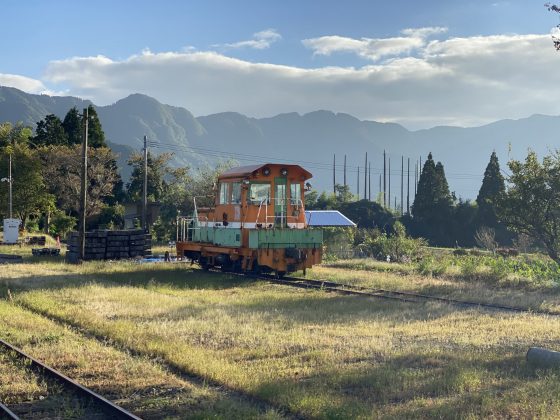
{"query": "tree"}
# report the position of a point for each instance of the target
(62, 173)
(554, 8)
(158, 168)
(432, 205)
(96, 136)
(493, 186)
(50, 132)
(72, 125)
(14, 134)
(531, 204)
(30, 196)
(368, 214)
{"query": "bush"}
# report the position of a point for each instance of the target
(61, 224)
(430, 266)
(398, 246)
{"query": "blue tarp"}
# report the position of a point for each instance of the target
(327, 218)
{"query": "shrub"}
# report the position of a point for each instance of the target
(398, 246)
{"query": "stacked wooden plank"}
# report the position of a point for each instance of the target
(110, 245)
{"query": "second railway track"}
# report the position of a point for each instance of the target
(409, 297)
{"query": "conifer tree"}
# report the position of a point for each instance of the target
(96, 136)
(73, 126)
(493, 186)
(50, 132)
(433, 204)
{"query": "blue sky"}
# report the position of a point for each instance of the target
(290, 55)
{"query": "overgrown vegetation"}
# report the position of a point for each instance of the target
(317, 354)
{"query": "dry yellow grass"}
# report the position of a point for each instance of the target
(322, 355)
(402, 277)
(134, 382)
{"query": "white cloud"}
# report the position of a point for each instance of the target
(261, 40)
(373, 48)
(23, 83)
(462, 81)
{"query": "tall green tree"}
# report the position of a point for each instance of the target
(493, 187)
(531, 204)
(432, 205)
(50, 132)
(14, 134)
(30, 197)
(96, 136)
(72, 125)
(158, 168)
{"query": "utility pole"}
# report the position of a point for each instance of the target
(358, 189)
(369, 182)
(334, 174)
(10, 181)
(380, 190)
(344, 170)
(415, 178)
(365, 179)
(384, 180)
(83, 191)
(389, 173)
(145, 190)
(402, 183)
(408, 189)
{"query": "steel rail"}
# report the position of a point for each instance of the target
(5, 412)
(107, 406)
(409, 297)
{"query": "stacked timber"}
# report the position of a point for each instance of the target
(110, 245)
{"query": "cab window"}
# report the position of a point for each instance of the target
(259, 193)
(295, 194)
(223, 193)
(236, 193)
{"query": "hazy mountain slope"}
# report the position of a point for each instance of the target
(16, 105)
(311, 138)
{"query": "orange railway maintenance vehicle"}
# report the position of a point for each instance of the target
(257, 223)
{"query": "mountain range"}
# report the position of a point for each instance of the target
(311, 139)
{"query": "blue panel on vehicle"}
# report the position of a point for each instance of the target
(327, 218)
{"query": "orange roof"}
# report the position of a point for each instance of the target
(244, 171)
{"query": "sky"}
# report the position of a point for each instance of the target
(417, 63)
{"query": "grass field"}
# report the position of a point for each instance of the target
(307, 353)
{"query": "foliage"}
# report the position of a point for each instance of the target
(158, 168)
(96, 135)
(493, 186)
(333, 201)
(368, 214)
(50, 132)
(531, 205)
(111, 217)
(14, 134)
(29, 195)
(398, 247)
(61, 224)
(432, 207)
(72, 125)
(62, 174)
(338, 242)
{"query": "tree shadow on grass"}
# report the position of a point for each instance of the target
(175, 276)
(451, 385)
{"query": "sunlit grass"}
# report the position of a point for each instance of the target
(134, 382)
(319, 354)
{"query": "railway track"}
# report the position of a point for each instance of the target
(106, 408)
(409, 297)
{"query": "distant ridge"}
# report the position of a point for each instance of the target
(312, 137)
